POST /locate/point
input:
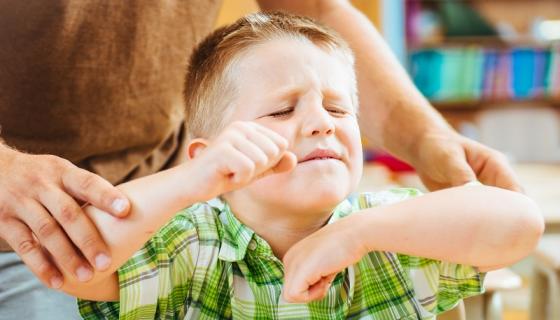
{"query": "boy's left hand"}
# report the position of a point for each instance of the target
(312, 264)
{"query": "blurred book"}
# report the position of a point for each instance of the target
(475, 73)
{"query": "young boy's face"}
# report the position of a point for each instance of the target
(305, 94)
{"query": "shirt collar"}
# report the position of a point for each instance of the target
(237, 238)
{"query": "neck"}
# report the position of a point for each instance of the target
(280, 227)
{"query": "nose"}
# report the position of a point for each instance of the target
(317, 121)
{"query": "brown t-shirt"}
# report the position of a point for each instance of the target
(99, 82)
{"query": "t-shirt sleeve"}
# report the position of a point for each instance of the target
(155, 281)
(440, 285)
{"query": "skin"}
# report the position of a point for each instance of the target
(393, 113)
(41, 218)
(40, 195)
(260, 155)
(304, 94)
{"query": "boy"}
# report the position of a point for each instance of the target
(275, 151)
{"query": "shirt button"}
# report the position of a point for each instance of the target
(252, 245)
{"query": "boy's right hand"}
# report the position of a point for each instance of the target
(242, 153)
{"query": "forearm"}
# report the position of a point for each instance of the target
(479, 226)
(392, 110)
(154, 200)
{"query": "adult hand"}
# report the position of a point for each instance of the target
(449, 159)
(243, 152)
(42, 221)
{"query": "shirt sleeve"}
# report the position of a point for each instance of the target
(150, 286)
(439, 285)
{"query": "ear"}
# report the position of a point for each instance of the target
(195, 147)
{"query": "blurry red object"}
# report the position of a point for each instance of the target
(392, 163)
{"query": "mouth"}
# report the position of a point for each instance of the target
(321, 154)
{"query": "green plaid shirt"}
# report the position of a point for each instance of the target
(205, 264)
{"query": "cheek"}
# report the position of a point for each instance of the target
(284, 128)
(350, 137)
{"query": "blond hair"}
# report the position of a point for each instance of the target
(209, 81)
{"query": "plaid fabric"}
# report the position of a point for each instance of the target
(205, 264)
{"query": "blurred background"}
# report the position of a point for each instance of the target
(492, 68)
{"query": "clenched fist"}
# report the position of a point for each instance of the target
(243, 152)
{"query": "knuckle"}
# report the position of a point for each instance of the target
(89, 243)
(26, 245)
(34, 180)
(4, 211)
(262, 160)
(249, 168)
(282, 144)
(274, 151)
(47, 227)
(44, 269)
(51, 161)
(69, 258)
(68, 214)
(87, 182)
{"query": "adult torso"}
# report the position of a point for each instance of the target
(98, 82)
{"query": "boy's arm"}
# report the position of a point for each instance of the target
(394, 114)
(218, 168)
(154, 201)
(480, 226)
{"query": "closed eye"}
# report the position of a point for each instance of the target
(281, 113)
(337, 111)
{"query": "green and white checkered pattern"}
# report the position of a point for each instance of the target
(205, 264)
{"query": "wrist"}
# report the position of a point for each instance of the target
(409, 126)
(360, 233)
(425, 141)
(193, 175)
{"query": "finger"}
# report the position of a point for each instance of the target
(21, 239)
(297, 285)
(319, 290)
(455, 172)
(286, 164)
(491, 167)
(460, 172)
(55, 241)
(97, 191)
(279, 140)
(254, 153)
(78, 227)
(267, 144)
(496, 171)
(239, 168)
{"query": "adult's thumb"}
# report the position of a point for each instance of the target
(460, 173)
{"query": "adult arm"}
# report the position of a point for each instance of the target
(394, 114)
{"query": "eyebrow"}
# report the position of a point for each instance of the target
(291, 92)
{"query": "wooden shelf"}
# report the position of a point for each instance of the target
(488, 104)
(485, 42)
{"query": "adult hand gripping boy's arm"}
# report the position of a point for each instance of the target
(240, 154)
(480, 226)
(393, 113)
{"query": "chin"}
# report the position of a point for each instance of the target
(320, 197)
(318, 193)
